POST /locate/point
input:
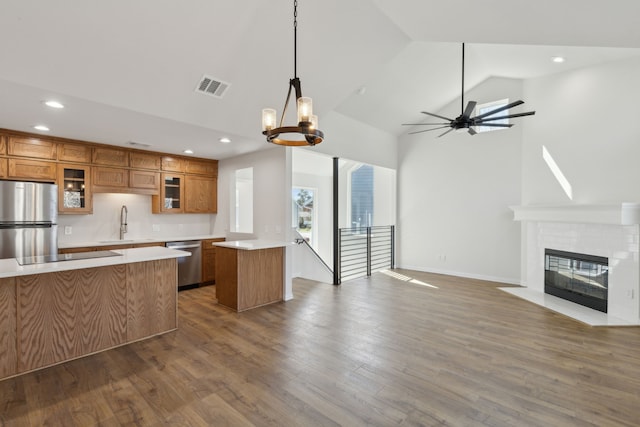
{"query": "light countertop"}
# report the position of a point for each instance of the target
(252, 245)
(134, 241)
(10, 267)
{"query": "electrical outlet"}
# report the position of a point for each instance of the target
(155, 227)
(68, 230)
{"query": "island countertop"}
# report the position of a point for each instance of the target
(252, 245)
(10, 268)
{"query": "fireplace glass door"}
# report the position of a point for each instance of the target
(580, 278)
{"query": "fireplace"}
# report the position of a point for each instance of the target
(580, 278)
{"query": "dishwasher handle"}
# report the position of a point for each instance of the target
(182, 246)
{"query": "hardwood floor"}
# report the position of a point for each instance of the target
(380, 351)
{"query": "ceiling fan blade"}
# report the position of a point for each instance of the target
(497, 110)
(443, 134)
(472, 131)
(467, 111)
(510, 116)
(495, 125)
(427, 130)
(424, 124)
(435, 115)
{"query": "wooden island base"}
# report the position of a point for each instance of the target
(248, 278)
(50, 318)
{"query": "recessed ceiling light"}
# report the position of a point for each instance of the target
(225, 140)
(558, 59)
(188, 151)
(41, 127)
(53, 104)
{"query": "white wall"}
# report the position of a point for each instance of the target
(104, 223)
(350, 139)
(587, 120)
(454, 193)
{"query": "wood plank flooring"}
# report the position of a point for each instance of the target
(381, 351)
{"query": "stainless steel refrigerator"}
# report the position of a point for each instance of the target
(28, 219)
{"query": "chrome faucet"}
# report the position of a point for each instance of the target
(123, 221)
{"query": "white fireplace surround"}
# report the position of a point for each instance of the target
(610, 231)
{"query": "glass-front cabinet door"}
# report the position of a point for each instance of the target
(74, 189)
(172, 193)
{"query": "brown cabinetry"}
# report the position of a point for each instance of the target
(209, 260)
(144, 181)
(173, 164)
(110, 157)
(68, 152)
(249, 278)
(171, 195)
(200, 194)
(25, 146)
(32, 170)
(144, 161)
(178, 184)
(202, 167)
(110, 180)
(74, 189)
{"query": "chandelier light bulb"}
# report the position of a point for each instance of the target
(268, 119)
(305, 109)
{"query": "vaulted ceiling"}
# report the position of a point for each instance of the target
(127, 70)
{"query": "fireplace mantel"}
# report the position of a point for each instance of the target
(621, 214)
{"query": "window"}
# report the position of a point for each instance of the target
(489, 106)
(362, 196)
(304, 213)
(242, 204)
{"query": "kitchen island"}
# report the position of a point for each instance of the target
(54, 312)
(249, 273)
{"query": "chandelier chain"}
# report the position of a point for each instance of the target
(295, 38)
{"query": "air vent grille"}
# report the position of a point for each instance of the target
(138, 144)
(212, 86)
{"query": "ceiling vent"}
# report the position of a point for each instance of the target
(211, 86)
(138, 144)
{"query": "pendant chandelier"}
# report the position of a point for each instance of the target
(306, 132)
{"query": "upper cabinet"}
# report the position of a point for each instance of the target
(24, 146)
(202, 167)
(178, 184)
(31, 170)
(110, 157)
(171, 195)
(144, 161)
(173, 164)
(69, 152)
(74, 189)
(200, 194)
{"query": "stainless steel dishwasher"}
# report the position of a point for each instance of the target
(189, 267)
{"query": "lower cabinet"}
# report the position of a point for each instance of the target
(49, 318)
(209, 260)
(108, 247)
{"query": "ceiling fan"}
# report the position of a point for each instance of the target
(465, 122)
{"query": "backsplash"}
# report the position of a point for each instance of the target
(104, 223)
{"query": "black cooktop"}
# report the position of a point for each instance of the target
(44, 259)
